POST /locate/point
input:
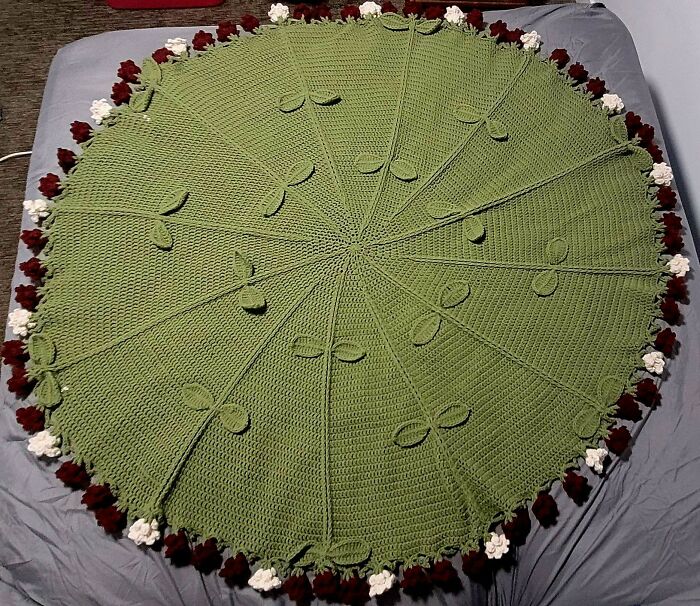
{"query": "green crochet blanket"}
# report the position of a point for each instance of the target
(346, 294)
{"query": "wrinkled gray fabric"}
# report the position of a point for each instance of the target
(634, 542)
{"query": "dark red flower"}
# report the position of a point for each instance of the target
(250, 23)
(677, 289)
(655, 152)
(298, 588)
(434, 11)
(33, 269)
(129, 71)
(73, 475)
(627, 408)
(34, 239)
(560, 57)
(412, 8)
(161, 55)
(50, 185)
(13, 353)
(576, 486)
(388, 7)
(444, 575)
(665, 341)
(633, 122)
(225, 30)
(98, 496)
(596, 87)
(27, 296)
(666, 197)
(499, 30)
(545, 509)
(81, 131)
(513, 36)
(322, 11)
(19, 382)
(326, 586)
(416, 582)
(121, 92)
(672, 241)
(302, 11)
(177, 548)
(578, 72)
(646, 133)
(647, 392)
(354, 591)
(206, 556)
(30, 418)
(349, 11)
(618, 440)
(671, 220)
(111, 519)
(475, 18)
(518, 528)
(66, 159)
(670, 311)
(236, 570)
(201, 40)
(476, 565)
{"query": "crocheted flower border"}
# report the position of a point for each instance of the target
(356, 584)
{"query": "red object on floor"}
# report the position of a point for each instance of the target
(136, 4)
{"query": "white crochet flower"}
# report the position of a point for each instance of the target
(496, 546)
(278, 12)
(613, 103)
(679, 265)
(531, 40)
(177, 46)
(143, 532)
(370, 9)
(455, 15)
(99, 110)
(44, 444)
(381, 582)
(654, 362)
(265, 579)
(36, 209)
(20, 321)
(595, 458)
(662, 173)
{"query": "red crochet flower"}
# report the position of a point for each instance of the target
(434, 11)
(349, 11)
(66, 159)
(618, 440)
(475, 18)
(206, 556)
(596, 87)
(665, 341)
(633, 122)
(27, 296)
(201, 40)
(249, 23)
(236, 570)
(672, 241)
(647, 392)
(177, 548)
(676, 288)
(388, 7)
(354, 591)
(499, 30)
(73, 475)
(161, 55)
(412, 8)
(111, 519)
(30, 418)
(98, 496)
(19, 382)
(545, 509)
(326, 586)
(578, 72)
(655, 152)
(13, 353)
(518, 528)
(513, 36)
(50, 185)
(298, 588)
(81, 131)
(302, 11)
(560, 57)
(476, 566)
(646, 133)
(33, 269)
(670, 311)
(416, 582)
(226, 30)
(576, 486)
(322, 11)
(444, 575)
(666, 197)
(129, 71)
(627, 408)
(121, 92)
(33, 239)
(671, 220)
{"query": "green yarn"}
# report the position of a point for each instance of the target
(345, 294)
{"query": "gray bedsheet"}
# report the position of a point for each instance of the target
(634, 542)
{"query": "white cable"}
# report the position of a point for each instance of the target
(15, 155)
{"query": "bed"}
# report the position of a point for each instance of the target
(633, 541)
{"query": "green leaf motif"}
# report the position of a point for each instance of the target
(545, 283)
(324, 96)
(440, 210)
(394, 22)
(410, 433)
(300, 172)
(618, 129)
(467, 114)
(454, 293)
(290, 102)
(453, 415)
(641, 157)
(151, 72)
(403, 170)
(428, 27)
(251, 298)
(174, 202)
(306, 346)
(141, 100)
(609, 389)
(234, 418)
(557, 249)
(349, 553)
(160, 236)
(197, 397)
(242, 265)
(41, 349)
(273, 201)
(425, 328)
(348, 351)
(48, 392)
(368, 163)
(473, 229)
(496, 130)
(298, 552)
(586, 423)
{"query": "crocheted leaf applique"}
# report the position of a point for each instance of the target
(306, 346)
(48, 392)
(467, 114)
(454, 293)
(290, 102)
(411, 433)
(348, 351)
(173, 203)
(425, 328)
(160, 236)
(300, 172)
(428, 27)
(557, 249)
(545, 282)
(324, 96)
(251, 298)
(586, 423)
(140, 100)
(151, 72)
(440, 210)
(234, 418)
(473, 228)
(618, 129)
(197, 396)
(496, 129)
(273, 201)
(368, 163)
(349, 553)
(453, 415)
(403, 170)
(609, 389)
(242, 266)
(394, 22)
(41, 349)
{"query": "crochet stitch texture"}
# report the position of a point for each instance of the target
(345, 294)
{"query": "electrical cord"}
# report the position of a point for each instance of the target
(15, 155)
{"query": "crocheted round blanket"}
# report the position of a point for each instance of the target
(347, 295)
